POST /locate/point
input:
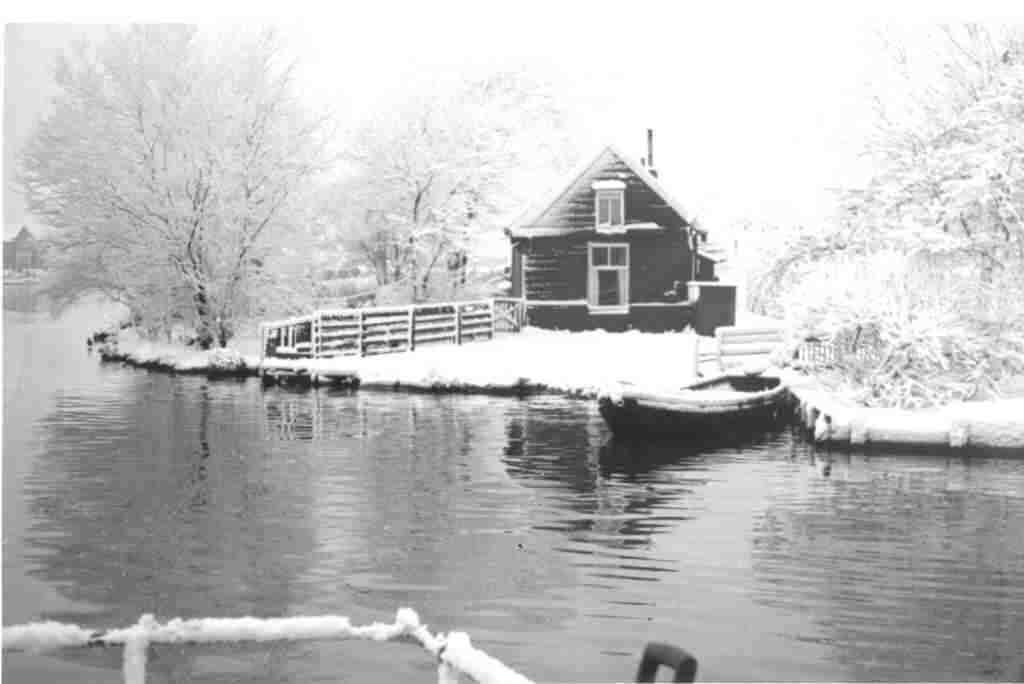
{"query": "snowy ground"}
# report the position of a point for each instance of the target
(575, 363)
(579, 363)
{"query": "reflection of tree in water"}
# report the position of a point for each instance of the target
(912, 567)
(24, 298)
(160, 500)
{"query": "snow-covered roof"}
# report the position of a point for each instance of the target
(535, 212)
(713, 252)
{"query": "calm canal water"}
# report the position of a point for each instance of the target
(521, 522)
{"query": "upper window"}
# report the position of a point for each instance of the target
(609, 209)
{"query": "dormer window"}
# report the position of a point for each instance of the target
(609, 205)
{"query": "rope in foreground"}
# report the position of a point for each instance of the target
(454, 652)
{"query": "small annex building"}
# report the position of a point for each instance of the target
(611, 250)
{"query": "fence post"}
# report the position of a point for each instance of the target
(492, 318)
(359, 335)
(314, 335)
(458, 324)
(412, 327)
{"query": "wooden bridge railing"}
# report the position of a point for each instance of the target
(382, 330)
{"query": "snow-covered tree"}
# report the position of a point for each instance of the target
(950, 177)
(436, 176)
(929, 253)
(948, 183)
(173, 165)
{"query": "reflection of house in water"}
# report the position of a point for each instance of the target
(931, 544)
(615, 492)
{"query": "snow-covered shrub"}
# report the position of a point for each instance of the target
(911, 332)
(226, 360)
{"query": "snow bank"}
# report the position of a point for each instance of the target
(574, 363)
(580, 363)
(454, 652)
(991, 424)
(242, 356)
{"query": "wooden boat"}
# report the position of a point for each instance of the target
(721, 405)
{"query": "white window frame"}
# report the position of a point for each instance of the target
(609, 194)
(592, 279)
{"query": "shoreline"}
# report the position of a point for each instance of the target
(991, 424)
(523, 389)
(509, 366)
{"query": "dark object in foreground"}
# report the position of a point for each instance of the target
(720, 405)
(656, 654)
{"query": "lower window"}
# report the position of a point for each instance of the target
(608, 278)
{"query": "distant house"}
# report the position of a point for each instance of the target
(22, 253)
(611, 250)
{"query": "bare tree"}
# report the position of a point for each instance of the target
(172, 166)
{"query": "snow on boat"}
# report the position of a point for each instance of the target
(722, 405)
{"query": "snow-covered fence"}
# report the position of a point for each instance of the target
(381, 330)
(742, 345)
(859, 344)
(509, 314)
(454, 652)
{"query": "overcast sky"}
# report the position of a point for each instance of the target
(755, 118)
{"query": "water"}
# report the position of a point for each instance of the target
(523, 523)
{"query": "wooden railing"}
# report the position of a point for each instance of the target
(825, 351)
(382, 330)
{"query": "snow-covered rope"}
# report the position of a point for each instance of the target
(454, 651)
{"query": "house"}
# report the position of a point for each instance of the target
(610, 250)
(22, 253)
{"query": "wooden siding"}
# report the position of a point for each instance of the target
(578, 317)
(575, 208)
(656, 261)
(556, 267)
